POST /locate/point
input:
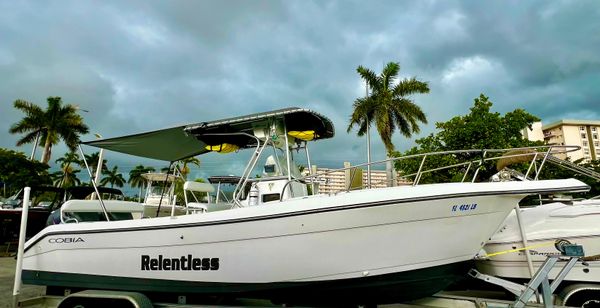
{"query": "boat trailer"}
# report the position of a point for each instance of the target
(540, 282)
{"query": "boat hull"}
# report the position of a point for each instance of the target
(514, 265)
(389, 288)
(383, 237)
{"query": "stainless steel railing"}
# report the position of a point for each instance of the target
(543, 153)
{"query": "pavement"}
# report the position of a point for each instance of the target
(7, 278)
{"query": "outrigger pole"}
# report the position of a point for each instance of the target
(94, 183)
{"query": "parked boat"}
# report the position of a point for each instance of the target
(160, 199)
(44, 201)
(578, 222)
(277, 241)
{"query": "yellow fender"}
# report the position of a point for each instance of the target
(223, 148)
(306, 135)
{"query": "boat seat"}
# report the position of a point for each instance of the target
(197, 207)
(199, 187)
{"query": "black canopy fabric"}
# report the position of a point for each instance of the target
(176, 143)
(81, 192)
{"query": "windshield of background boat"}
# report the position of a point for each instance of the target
(176, 143)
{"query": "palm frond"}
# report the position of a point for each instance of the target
(30, 109)
(373, 81)
(28, 138)
(389, 74)
(410, 86)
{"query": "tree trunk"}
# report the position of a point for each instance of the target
(140, 195)
(47, 151)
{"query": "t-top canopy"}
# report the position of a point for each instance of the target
(176, 143)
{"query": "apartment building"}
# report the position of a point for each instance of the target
(332, 180)
(535, 133)
(584, 133)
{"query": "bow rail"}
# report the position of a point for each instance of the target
(543, 153)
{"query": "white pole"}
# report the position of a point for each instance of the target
(35, 145)
(99, 165)
(98, 169)
(525, 244)
(368, 156)
(368, 144)
(524, 239)
(287, 153)
(22, 234)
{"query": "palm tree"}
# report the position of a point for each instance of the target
(185, 170)
(92, 160)
(53, 124)
(68, 159)
(67, 176)
(388, 106)
(113, 177)
(136, 179)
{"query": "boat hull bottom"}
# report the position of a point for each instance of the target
(388, 288)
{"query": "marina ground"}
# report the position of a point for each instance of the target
(7, 278)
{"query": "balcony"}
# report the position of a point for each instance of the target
(548, 135)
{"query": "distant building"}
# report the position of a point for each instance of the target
(332, 180)
(535, 133)
(583, 133)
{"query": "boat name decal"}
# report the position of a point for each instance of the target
(464, 207)
(540, 253)
(183, 263)
(65, 240)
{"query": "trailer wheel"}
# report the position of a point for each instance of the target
(102, 299)
(582, 296)
(95, 303)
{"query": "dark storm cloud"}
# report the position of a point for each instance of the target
(145, 65)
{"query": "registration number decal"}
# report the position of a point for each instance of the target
(464, 207)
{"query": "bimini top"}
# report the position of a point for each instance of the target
(176, 143)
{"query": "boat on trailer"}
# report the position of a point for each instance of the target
(528, 237)
(277, 241)
(576, 222)
(544, 227)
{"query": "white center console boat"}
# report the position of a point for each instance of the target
(276, 240)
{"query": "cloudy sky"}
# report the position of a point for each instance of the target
(144, 65)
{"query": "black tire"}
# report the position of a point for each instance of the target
(95, 303)
(584, 298)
